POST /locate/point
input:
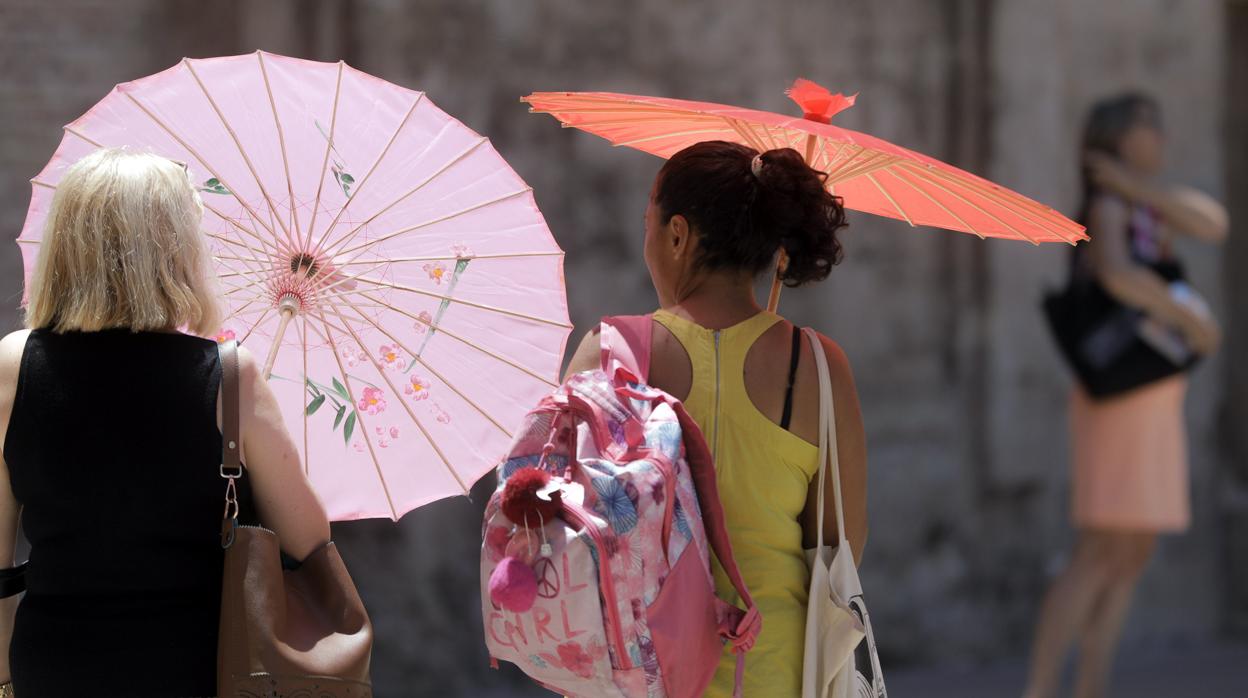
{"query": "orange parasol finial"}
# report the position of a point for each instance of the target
(817, 103)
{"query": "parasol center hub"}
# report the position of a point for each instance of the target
(289, 304)
(305, 265)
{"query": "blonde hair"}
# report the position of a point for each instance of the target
(122, 249)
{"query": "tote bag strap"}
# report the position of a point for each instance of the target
(827, 441)
(231, 461)
(231, 438)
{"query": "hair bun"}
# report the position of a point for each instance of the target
(746, 206)
(805, 216)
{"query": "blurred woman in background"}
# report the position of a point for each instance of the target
(1129, 450)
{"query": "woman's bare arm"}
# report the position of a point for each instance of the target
(1191, 212)
(1183, 210)
(588, 355)
(11, 349)
(284, 497)
(1136, 285)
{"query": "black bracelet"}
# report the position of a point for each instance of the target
(13, 580)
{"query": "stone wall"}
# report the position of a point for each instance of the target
(962, 392)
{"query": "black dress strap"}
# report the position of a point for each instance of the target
(13, 580)
(788, 394)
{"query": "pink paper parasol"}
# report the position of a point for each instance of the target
(391, 267)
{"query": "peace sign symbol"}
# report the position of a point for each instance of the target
(547, 578)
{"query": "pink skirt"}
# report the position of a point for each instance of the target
(1129, 459)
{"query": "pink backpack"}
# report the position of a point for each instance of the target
(599, 583)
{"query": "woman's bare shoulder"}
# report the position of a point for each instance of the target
(12, 346)
(1108, 211)
(587, 355)
(839, 369)
(14, 341)
(838, 360)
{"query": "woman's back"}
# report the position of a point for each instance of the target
(763, 471)
(113, 451)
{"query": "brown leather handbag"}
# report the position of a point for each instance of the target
(284, 633)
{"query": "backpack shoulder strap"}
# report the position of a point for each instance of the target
(625, 342)
(744, 633)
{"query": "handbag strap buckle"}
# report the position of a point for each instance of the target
(231, 499)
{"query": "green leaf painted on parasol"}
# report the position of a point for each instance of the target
(315, 405)
(349, 428)
(344, 180)
(341, 390)
(461, 265)
(214, 186)
(342, 412)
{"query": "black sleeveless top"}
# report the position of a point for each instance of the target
(113, 452)
(1145, 244)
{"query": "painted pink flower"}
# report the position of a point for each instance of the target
(417, 388)
(225, 335)
(382, 441)
(357, 358)
(576, 660)
(373, 401)
(390, 357)
(425, 321)
(436, 271)
(461, 251)
(440, 414)
(394, 432)
(358, 446)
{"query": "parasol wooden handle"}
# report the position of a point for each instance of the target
(288, 306)
(773, 299)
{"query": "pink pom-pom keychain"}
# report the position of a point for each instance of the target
(513, 585)
(528, 499)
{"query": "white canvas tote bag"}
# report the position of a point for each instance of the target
(837, 663)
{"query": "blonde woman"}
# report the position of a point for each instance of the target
(109, 411)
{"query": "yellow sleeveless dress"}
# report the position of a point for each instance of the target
(763, 473)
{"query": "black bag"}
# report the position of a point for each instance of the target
(1099, 337)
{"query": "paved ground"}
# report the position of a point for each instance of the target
(1206, 671)
(1219, 671)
